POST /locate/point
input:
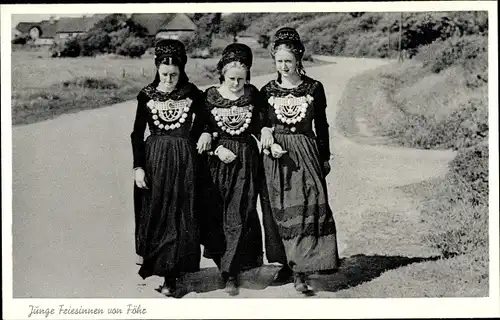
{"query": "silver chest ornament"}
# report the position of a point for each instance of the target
(291, 109)
(234, 120)
(172, 112)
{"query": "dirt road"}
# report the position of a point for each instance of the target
(73, 227)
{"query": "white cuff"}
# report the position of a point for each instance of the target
(217, 149)
(267, 128)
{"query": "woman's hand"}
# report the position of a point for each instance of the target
(204, 142)
(140, 178)
(326, 168)
(277, 151)
(225, 155)
(266, 138)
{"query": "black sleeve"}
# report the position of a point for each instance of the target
(137, 136)
(321, 123)
(200, 123)
(264, 108)
(258, 115)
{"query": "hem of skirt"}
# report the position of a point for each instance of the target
(146, 274)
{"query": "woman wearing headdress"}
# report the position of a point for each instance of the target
(230, 228)
(167, 234)
(299, 228)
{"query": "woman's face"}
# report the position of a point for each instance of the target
(286, 63)
(169, 75)
(235, 78)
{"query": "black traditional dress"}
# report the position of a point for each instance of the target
(230, 226)
(298, 222)
(167, 233)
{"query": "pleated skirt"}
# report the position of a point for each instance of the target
(230, 225)
(298, 222)
(167, 233)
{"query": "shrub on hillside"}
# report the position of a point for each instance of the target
(472, 166)
(466, 126)
(458, 213)
(440, 54)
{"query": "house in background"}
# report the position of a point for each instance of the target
(165, 25)
(72, 27)
(41, 33)
(180, 26)
(158, 25)
(46, 32)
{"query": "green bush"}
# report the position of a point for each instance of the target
(197, 41)
(440, 54)
(463, 128)
(90, 83)
(458, 213)
(69, 48)
(472, 166)
(264, 40)
(133, 47)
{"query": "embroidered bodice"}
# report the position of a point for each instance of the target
(167, 114)
(233, 118)
(299, 110)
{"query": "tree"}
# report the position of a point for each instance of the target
(208, 22)
(133, 47)
(264, 40)
(233, 24)
(67, 48)
(110, 33)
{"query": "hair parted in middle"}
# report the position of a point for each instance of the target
(288, 39)
(171, 52)
(235, 52)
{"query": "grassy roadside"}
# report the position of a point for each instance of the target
(415, 106)
(43, 88)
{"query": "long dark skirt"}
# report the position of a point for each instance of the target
(230, 225)
(167, 233)
(298, 222)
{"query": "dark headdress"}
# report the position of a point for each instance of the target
(170, 48)
(236, 52)
(289, 36)
(170, 51)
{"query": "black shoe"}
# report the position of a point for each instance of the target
(284, 275)
(300, 283)
(169, 286)
(231, 286)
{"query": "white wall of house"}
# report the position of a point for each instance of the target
(66, 35)
(173, 34)
(43, 41)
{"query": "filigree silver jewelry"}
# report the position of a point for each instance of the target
(234, 120)
(291, 109)
(172, 112)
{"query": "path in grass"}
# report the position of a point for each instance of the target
(73, 218)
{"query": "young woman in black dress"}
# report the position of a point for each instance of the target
(230, 227)
(167, 233)
(300, 231)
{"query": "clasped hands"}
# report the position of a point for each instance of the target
(268, 144)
